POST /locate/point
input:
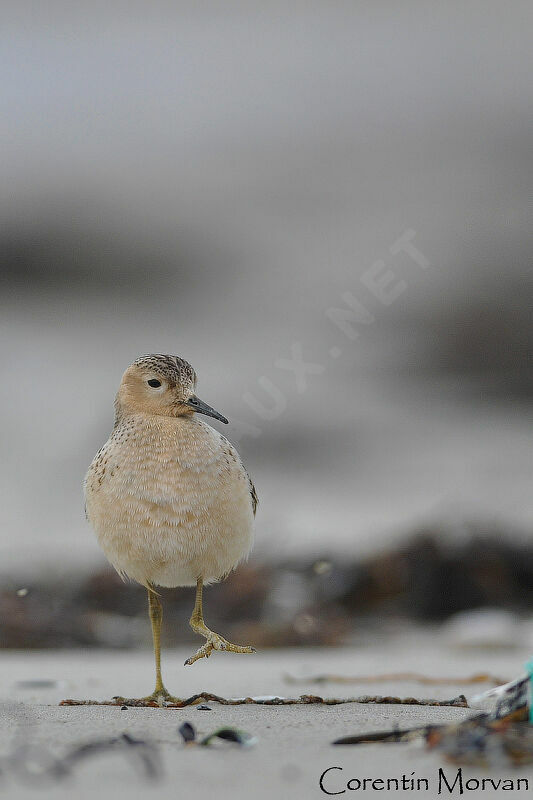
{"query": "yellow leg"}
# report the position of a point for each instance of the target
(156, 618)
(155, 610)
(160, 695)
(214, 640)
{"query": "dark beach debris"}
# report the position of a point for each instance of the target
(482, 741)
(233, 735)
(36, 765)
(414, 677)
(394, 735)
(510, 701)
(142, 753)
(203, 708)
(500, 738)
(188, 732)
(273, 700)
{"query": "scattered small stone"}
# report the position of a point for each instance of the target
(231, 735)
(203, 708)
(188, 732)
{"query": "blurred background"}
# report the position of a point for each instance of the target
(325, 208)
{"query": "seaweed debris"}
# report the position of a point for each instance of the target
(271, 700)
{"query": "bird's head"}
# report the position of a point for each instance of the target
(161, 385)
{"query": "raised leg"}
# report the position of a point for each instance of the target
(213, 640)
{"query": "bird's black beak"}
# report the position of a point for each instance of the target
(202, 408)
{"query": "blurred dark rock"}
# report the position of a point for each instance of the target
(431, 577)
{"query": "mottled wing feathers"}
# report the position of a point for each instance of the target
(230, 452)
(253, 493)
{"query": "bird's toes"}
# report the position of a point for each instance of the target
(216, 642)
(202, 652)
(223, 644)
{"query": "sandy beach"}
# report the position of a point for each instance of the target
(293, 747)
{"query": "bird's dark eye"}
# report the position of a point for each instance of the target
(154, 383)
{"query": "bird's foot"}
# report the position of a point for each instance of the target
(217, 642)
(160, 697)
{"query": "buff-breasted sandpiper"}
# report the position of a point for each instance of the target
(168, 496)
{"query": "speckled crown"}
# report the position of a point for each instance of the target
(173, 368)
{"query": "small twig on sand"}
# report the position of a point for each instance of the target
(415, 677)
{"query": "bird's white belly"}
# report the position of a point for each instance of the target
(153, 541)
(167, 524)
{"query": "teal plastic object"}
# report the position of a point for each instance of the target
(529, 667)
